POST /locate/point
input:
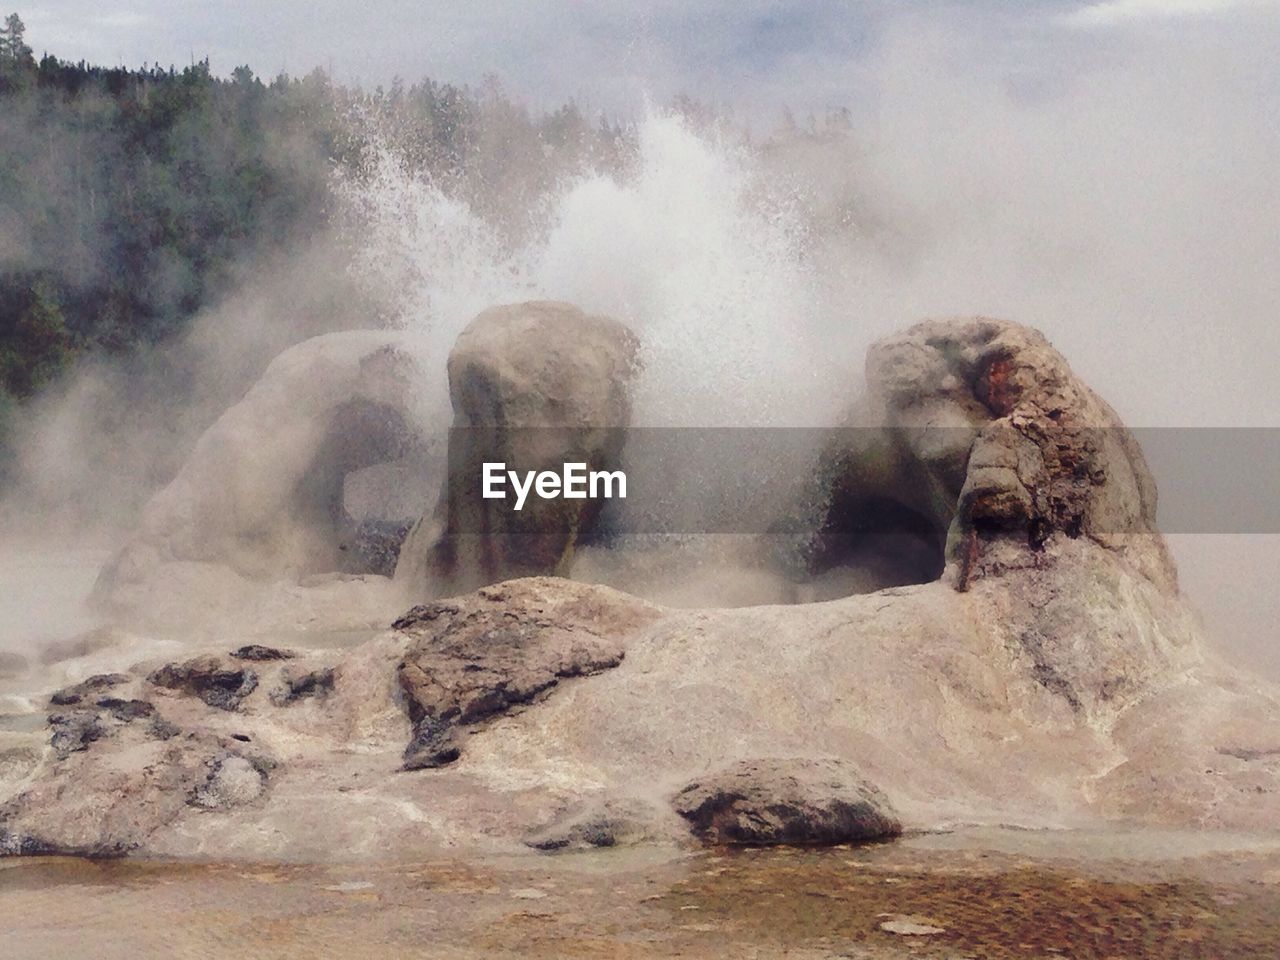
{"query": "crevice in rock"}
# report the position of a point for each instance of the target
(358, 492)
(1044, 672)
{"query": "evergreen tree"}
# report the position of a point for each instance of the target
(35, 343)
(11, 37)
(16, 64)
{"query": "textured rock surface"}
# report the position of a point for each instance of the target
(259, 652)
(86, 688)
(776, 801)
(130, 758)
(533, 385)
(976, 440)
(475, 658)
(298, 685)
(209, 678)
(74, 731)
(601, 822)
(254, 523)
(117, 771)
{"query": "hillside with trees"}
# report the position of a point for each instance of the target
(129, 197)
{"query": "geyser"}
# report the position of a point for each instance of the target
(1052, 677)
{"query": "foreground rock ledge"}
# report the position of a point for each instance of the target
(1052, 677)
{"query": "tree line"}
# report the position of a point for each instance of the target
(129, 196)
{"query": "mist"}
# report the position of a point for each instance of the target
(1108, 177)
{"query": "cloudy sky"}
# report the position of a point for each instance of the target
(613, 53)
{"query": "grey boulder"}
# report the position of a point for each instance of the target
(787, 801)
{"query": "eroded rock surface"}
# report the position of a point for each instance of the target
(255, 528)
(74, 730)
(210, 678)
(975, 440)
(298, 685)
(87, 688)
(599, 822)
(476, 658)
(233, 780)
(119, 768)
(259, 652)
(779, 801)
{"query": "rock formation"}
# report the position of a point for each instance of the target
(533, 385)
(972, 441)
(293, 508)
(262, 510)
(1049, 676)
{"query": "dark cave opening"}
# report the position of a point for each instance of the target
(364, 489)
(869, 542)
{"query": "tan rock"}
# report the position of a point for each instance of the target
(533, 386)
(255, 528)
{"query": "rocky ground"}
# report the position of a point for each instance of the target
(549, 714)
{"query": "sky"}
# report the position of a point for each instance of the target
(750, 54)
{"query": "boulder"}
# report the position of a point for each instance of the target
(210, 678)
(265, 505)
(471, 660)
(787, 801)
(533, 386)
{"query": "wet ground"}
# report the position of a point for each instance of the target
(993, 894)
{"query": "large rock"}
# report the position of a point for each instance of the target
(476, 658)
(290, 501)
(533, 385)
(787, 801)
(974, 441)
